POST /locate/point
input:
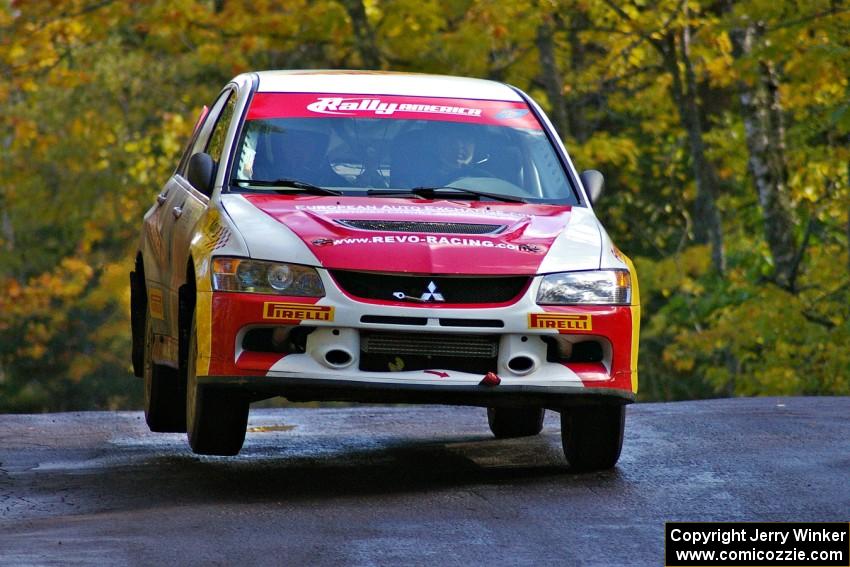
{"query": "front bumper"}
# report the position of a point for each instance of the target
(334, 390)
(339, 323)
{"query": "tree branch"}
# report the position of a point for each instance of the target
(798, 257)
(818, 320)
(809, 18)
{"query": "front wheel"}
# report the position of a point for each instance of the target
(216, 419)
(592, 436)
(506, 423)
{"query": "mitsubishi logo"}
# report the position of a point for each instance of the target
(432, 294)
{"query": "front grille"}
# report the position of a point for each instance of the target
(444, 322)
(422, 321)
(416, 226)
(427, 344)
(393, 320)
(418, 290)
(394, 352)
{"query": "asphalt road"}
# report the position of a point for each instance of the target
(409, 486)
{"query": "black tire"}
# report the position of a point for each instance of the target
(592, 436)
(216, 419)
(515, 422)
(165, 392)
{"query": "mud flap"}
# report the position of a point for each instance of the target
(186, 303)
(138, 305)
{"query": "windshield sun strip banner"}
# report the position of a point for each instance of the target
(319, 105)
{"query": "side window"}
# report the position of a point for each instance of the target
(187, 153)
(208, 122)
(219, 133)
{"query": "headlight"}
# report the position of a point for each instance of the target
(598, 287)
(256, 276)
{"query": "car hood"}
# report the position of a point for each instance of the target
(417, 236)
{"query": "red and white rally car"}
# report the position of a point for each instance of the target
(382, 237)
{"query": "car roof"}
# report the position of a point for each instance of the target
(384, 83)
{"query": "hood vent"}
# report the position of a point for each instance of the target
(420, 227)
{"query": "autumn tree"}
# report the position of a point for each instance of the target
(722, 129)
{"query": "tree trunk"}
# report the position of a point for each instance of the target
(674, 48)
(8, 231)
(707, 223)
(761, 110)
(576, 105)
(551, 79)
(364, 35)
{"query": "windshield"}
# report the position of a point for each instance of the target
(384, 145)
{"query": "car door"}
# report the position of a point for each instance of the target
(194, 202)
(183, 205)
(156, 249)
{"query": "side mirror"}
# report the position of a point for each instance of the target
(201, 172)
(593, 182)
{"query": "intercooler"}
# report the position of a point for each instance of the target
(428, 344)
(382, 351)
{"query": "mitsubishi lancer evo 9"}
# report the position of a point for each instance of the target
(382, 238)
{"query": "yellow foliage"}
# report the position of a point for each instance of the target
(100, 101)
(678, 272)
(80, 367)
(112, 287)
(607, 149)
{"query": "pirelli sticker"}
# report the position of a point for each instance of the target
(560, 321)
(275, 311)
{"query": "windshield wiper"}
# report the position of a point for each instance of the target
(432, 192)
(293, 183)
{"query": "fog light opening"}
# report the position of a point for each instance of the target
(521, 364)
(338, 358)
